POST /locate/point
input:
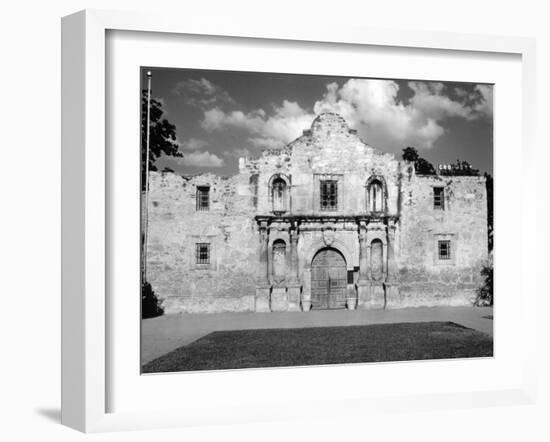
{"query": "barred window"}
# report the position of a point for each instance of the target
(202, 253)
(203, 198)
(439, 198)
(444, 249)
(329, 195)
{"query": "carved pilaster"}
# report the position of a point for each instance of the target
(391, 274)
(391, 285)
(294, 286)
(363, 253)
(263, 269)
(263, 288)
(306, 292)
(293, 233)
(385, 259)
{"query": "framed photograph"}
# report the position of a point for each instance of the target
(344, 252)
(284, 222)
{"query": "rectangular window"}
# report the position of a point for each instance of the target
(444, 249)
(202, 253)
(203, 198)
(439, 198)
(329, 195)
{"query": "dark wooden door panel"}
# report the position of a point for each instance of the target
(328, 280)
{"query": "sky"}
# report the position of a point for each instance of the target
(223, 115)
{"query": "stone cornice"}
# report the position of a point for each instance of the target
(297, 220)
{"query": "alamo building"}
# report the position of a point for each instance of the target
(327, 222)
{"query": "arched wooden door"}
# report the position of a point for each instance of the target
(328, 280)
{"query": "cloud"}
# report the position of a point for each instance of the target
(373, 107)
(479, 100)
(193, 144)
(202, 93)
(484, 102)
(201, 159)
(430, 102)
(285, 124)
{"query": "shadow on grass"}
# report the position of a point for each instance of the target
(325, 345)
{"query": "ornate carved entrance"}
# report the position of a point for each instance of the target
(328, 280)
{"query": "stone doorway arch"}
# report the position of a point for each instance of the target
(328, 279)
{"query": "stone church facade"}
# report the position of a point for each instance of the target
(327, 222)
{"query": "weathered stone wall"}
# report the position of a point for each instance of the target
(405, 233)
(329, 149)
(423, 278)
(228, 283)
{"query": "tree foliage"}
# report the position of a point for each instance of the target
(410, 154)
(421, 165)
(489, 187)
(485, 292)
(151, 306)
(162, 137)
(485, 295)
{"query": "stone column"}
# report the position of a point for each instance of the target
(294, 285)
(269, 260)
(293, 234)
(369, 260)
(384, 259)
(363, 283)
(391, 264)
(263, 286)
(351, 293)
(363, 255)
(306, 292)
(392, 288)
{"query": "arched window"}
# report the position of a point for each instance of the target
(279, 195)
(279, 260)
(375, 196)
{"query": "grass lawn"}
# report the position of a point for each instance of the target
(325, 345)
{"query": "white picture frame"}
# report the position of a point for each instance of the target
(85, 215)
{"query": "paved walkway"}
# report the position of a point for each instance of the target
(166, 333)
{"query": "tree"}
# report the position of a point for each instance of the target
(410, 154)
(484, 295)
(421, 166)
(151, 306)
(162, 137)
(489, 187)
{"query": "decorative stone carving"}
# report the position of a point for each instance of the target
(328, 236)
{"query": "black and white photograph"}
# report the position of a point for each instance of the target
(303, 220)
(242, 221)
